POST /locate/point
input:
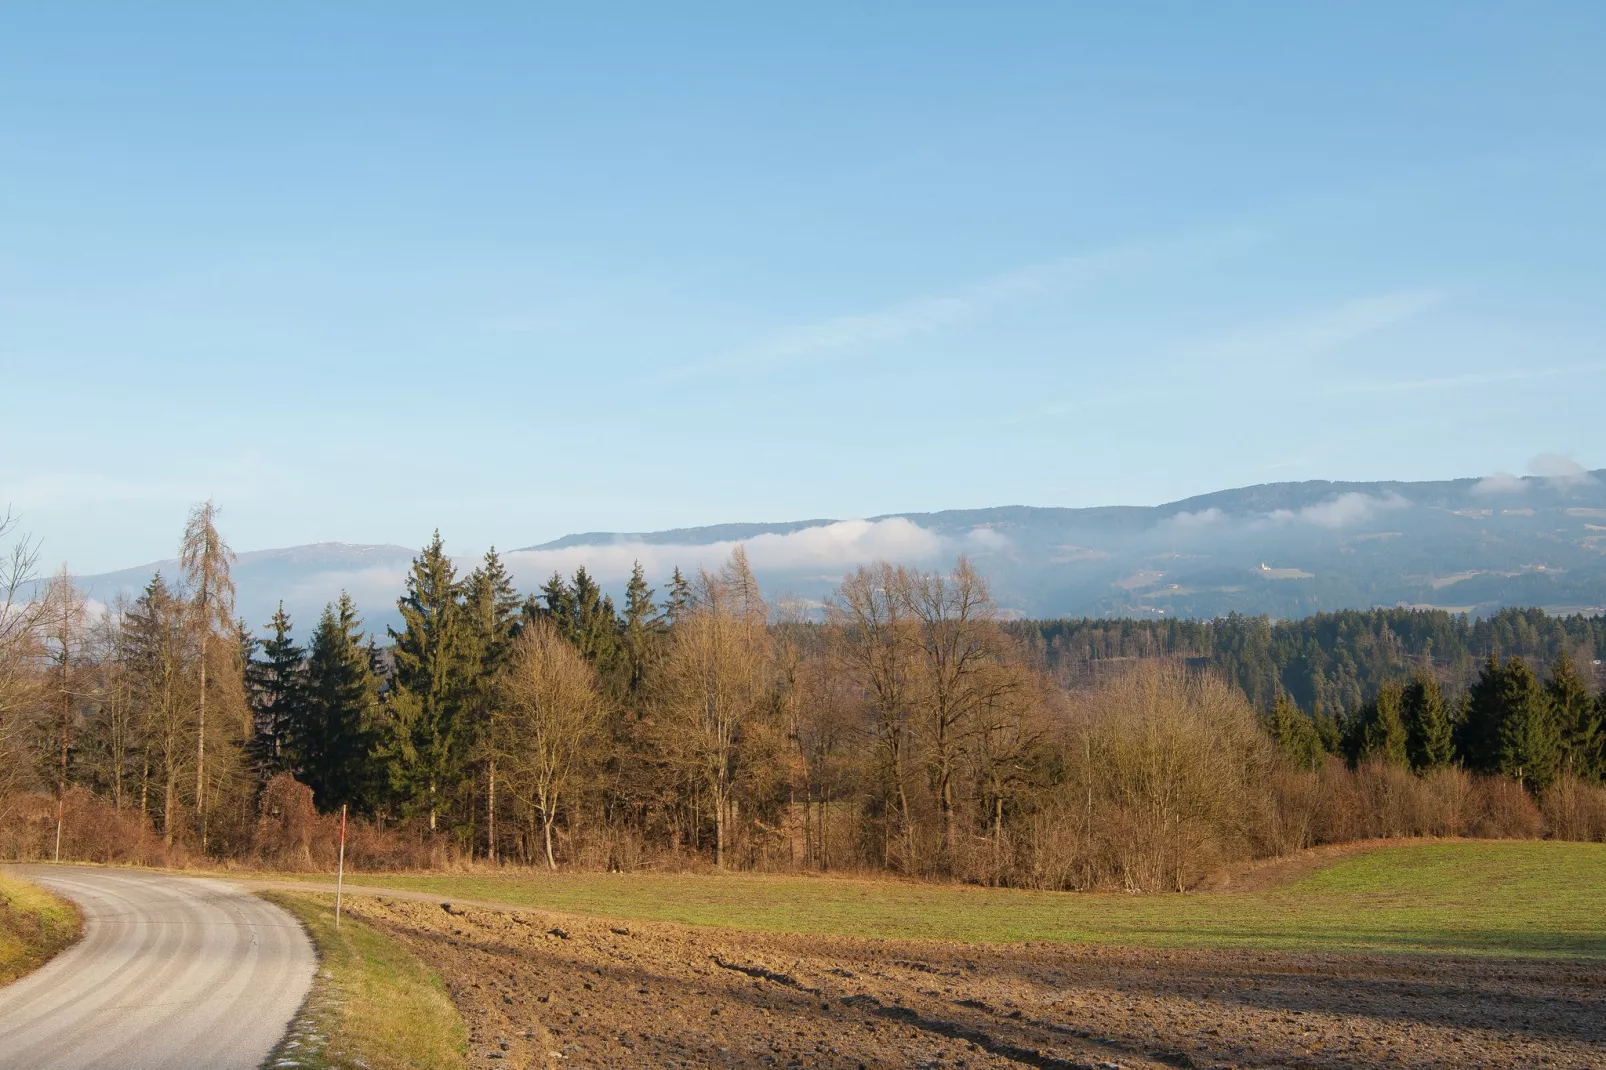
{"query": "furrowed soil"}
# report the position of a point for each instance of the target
(555, 990)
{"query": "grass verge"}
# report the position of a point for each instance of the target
(34, 926)
(1505, 898)
(373, 1005)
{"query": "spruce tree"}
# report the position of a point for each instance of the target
(678, 602)
(1529, 737)
(491, 621)
(275, 686)
(426, 694)
(1428, 728)
(1296, 735)
(1577, 719)
(596, 626)
(559, 608)
(639, 631)
(1592, 762)
(1478, 734)
(334, 732)
(1381, 727)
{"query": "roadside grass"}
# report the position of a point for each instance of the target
(1497, 898)
(373, 1005)
(34, 926)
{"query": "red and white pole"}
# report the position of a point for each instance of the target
(340, 867)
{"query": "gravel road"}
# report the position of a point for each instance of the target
(173, 973)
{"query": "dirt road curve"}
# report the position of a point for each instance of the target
(173, 973)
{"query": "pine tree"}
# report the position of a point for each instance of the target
(1478, 735)
(491, 622)
(274, 682)
(427, 691)
(1381, 727)
(639, 631)
(1428, 729)
(559, 599)
(596, 623)
(1592, 763)
(160, 654)
(1296, 735)
(680, 599)
(1529, 737)
(584, 617)
(1577, 719)
(333, 731)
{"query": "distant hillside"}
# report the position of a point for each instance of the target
(1283, 549)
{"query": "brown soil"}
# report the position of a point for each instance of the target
(550, 990)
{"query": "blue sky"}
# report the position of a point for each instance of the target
(519, 271)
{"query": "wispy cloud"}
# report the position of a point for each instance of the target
(1499, 483)
(1452, 382)
(1315, 333)
(1298, 337)
(932, 314)
(1342, 511)
(1559, 469)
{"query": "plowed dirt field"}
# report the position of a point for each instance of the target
(550, 990)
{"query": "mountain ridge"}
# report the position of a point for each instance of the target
(1285, 549)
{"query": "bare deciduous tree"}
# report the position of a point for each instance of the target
(713, 688)
(959, 651)
(875, 643)
(207, 562)
(20, 616)
(550, 712)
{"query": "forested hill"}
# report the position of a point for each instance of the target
(1285, 550)
(1330, 662)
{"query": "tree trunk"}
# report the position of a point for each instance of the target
(490, 812)
(548, 804)
(169, 804)
(719, 827)
(200, 749)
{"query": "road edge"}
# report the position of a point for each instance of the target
(36, 925)
(340, 1025)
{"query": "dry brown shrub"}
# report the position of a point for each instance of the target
(1057, 846)
(405, 846)
(1173, 771)
(1498, 808)
(1292, 813)
(1448, 796)
(92, 830)
(288, 825)
(1397, 802)
(1343, 816)
(1574, 810)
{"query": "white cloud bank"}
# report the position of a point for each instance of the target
(1559, 469)
(1343, 511)
(829, 550)
(1499, 483)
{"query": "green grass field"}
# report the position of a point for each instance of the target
(1513, 898)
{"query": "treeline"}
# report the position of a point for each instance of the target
(910, 730)
(1329, 663)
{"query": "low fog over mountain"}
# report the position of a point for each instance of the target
(1285, 549)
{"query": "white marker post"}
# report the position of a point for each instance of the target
(340, 867)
